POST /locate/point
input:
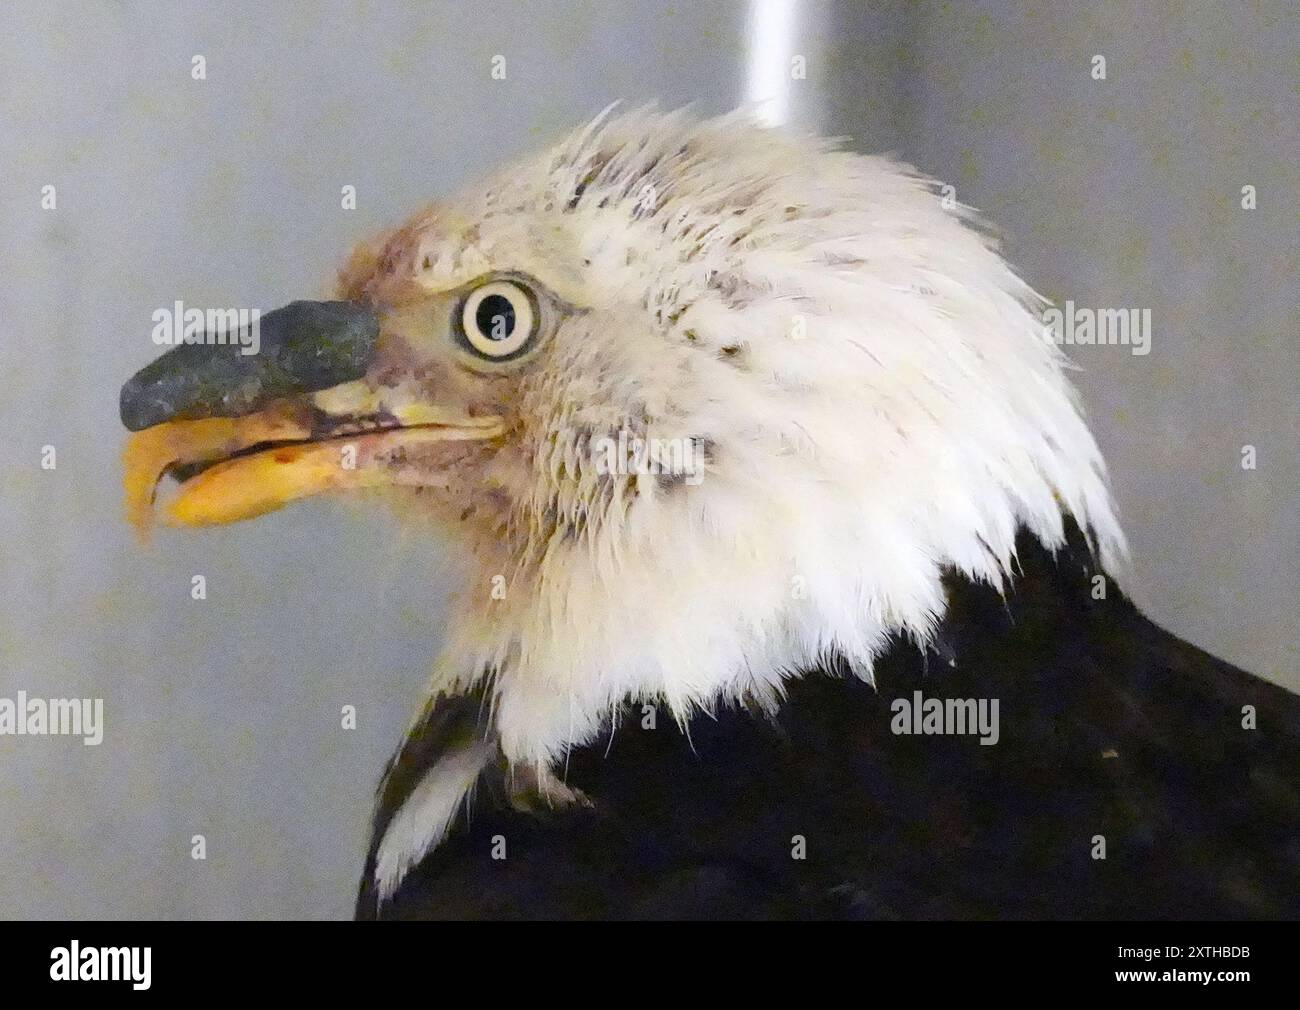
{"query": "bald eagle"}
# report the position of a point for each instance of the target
(794, 559)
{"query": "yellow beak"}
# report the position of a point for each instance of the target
(261, 462)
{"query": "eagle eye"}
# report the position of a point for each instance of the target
(499, 320)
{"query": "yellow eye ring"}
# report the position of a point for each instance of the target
(499, 320)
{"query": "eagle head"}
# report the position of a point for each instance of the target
(705, 402)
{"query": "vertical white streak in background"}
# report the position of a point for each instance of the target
(771, 44)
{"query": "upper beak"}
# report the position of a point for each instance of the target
(301, 348)
(245, 436)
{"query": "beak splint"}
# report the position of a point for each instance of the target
(303, 347)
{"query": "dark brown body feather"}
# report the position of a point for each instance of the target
(1109, 726)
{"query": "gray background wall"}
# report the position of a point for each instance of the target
(223, 715)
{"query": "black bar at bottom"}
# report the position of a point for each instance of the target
(215, 959)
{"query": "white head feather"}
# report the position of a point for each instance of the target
(868, 379)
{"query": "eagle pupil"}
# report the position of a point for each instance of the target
(495, 317)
